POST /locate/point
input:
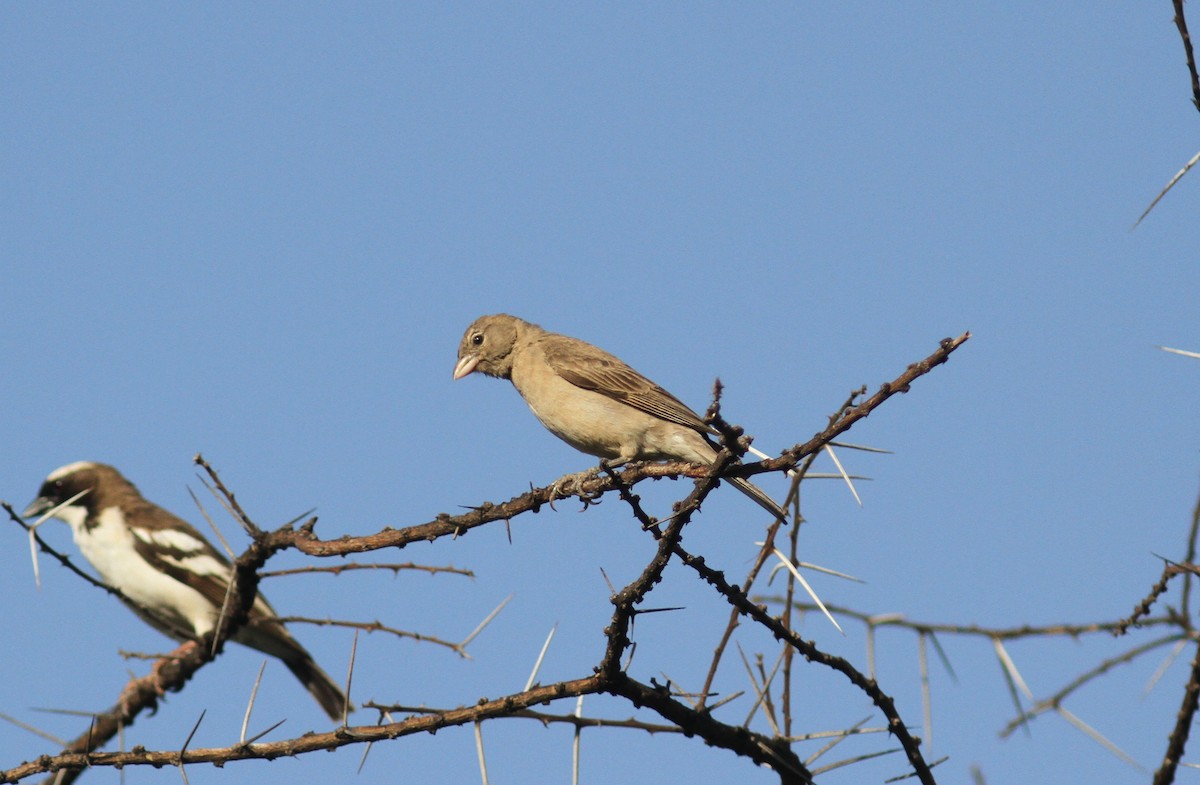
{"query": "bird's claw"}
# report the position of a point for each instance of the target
(572, 485)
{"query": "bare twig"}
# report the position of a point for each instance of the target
(1190, 56)
(1181, 24)
(338, 569)
(1183, 725)
(309, 742)
(377, 626)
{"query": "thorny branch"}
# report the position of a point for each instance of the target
(445, 525)
(1177, 741)
(395, 569)
(378, 626)
(310, 742)
(1002, 633)
(1183, 724)
(761, 749)
(168, 674)
(542, 717)
(1181, 24)
(808, 649)
(1183, 634)
(1055, 700)
(173, 671)
(1190, 56)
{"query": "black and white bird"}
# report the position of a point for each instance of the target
(171, 576)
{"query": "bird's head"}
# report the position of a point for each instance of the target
(71, 491)
(487, 346)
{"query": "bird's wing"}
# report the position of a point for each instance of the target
(182, 553)
(592, 368)
(186, 558)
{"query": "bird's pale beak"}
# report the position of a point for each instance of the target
(465, 365)
(37, 507)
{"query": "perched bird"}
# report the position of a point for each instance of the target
(168, 574)
(590, 399)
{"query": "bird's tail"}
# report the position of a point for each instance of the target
(759, 496)
(318, 683)
(268, 635)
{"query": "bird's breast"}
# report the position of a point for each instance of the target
(108, 545)
(588, 421)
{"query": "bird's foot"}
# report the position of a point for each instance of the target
(145, 693)
(572, 485)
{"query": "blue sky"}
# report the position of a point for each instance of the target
(258, 232)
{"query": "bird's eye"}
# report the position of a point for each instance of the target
(477, 339)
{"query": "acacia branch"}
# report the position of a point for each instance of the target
(338, 569)
(877, 620)
(1156, 591)
(1054, 701)
(310, 742)
(1181, 25)
(172, 672)
(794, 558)
(850, 416)
(1191, 691)
(545, 718)
(168, 674)
(378, 626)
(764, 750)
(1183, 725)
(446, 525)
(736, 597)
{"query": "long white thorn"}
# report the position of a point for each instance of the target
(1184, 352)
(250, 705)
(537, 666)
(484, 623)
(800, 578)
(845, 476)
(47, 515)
